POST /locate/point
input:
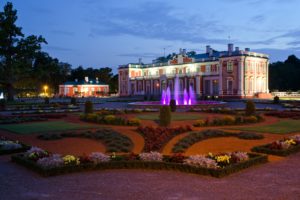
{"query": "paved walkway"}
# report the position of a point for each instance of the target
(276, 180)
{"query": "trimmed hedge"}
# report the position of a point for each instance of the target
(254, 159)
(278, 152)
(16, 120)
(114, 141)
(11, 151)
(195, 137)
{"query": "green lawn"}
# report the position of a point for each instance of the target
(281, 127)
(38, 127)
(175, 116)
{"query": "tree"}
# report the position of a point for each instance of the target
(16, 52)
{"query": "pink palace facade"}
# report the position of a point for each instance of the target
(233, 73)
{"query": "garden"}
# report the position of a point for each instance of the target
(215, 142)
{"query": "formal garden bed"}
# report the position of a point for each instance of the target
(156, 138)
(113, 140)
(8, 146)
(228, 120)
(183, 144)
(283, 147)
(42, 127)
(109, 119)
(220, 165)
(285, 114)
(20, 119)
(281, 127)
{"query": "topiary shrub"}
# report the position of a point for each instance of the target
(250, 108)
(109, 119)
(165, 116)
(250, 119)
(88, 107)
(73, 101)
(228, 120)
(199, 123)
(134, 122)
(276, 100)
(173, 105)
(46, 100)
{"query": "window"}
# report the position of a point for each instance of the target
(207, 68)
(229, 66)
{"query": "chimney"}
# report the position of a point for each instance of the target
(180, 51)
(210, 52)
(183, 51)
(86, 79)
(140, 61)
(247, 49)
(207, 48)
(230, 48)
(237, 49)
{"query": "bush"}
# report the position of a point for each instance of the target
(276, 100)
(73, 101)
(110, 119)
(165, 116)
(199, 123)
(250, 108)
(46, 100)
(134, 122)
(173, 105)
(88, 107)
(250, 119)
(228, 120)
(91, 117)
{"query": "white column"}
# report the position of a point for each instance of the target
(198, 85)
(267, 77)
(241, 77)
(220, 78)
(255, 77)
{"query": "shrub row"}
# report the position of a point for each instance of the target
(156, 138)
(228, 120)
(109, 119)
(254, 159)
(284, 114)
(194, 137)
(114, 141)
(16, 120)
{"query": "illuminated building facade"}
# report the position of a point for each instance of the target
(233, 73)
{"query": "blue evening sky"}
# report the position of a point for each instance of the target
(107, 33)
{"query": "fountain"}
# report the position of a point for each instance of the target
(183, 99)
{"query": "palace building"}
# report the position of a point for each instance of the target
(233, 73)
(84, 88)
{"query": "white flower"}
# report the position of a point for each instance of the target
(201, 161)
(152, 156)
(98, 157)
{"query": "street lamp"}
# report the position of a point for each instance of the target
(45, 90)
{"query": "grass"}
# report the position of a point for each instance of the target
(281, 127)
(39, 127)
(175, 116)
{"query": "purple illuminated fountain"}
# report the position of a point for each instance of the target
(188, 97)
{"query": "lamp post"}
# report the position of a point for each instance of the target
(45, 90)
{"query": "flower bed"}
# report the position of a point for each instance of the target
(214, 165)
(284, 114)
(156, 138)
(16, 120)
(195, 137)
(114, 141)
(110, 119)
(8, 146)
(228, 120)
(283, 147)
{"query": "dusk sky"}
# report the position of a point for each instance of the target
(98, 33)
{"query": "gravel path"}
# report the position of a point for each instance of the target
(276, 180)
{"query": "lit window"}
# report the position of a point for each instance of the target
(229, 66)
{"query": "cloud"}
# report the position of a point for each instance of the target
(278, 54)
(155, 20)
(140, 55)
(57, 48)
(62, 32)
(258, 18)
